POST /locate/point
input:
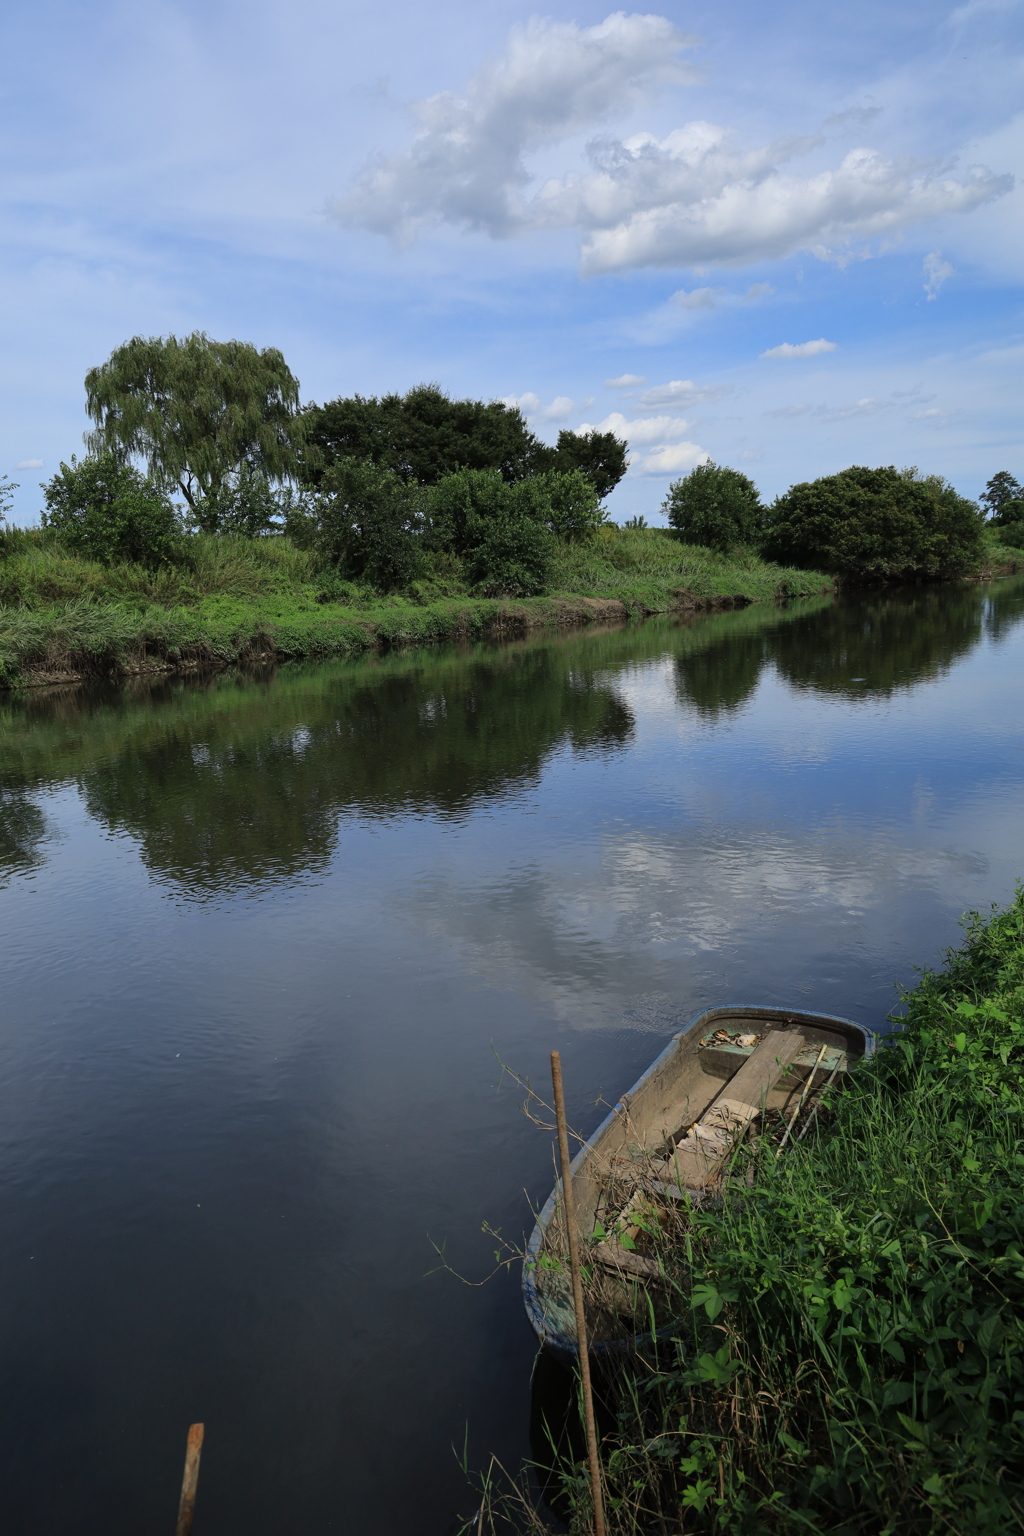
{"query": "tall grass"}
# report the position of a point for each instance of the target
(225, 598)
(849, 1356)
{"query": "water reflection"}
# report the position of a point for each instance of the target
(236, 782)
(231, 1128)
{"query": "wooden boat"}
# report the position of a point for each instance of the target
(670, 1139)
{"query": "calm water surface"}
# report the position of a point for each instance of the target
(265, 942)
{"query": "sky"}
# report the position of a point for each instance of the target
(789, 238)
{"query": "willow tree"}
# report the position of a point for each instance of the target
(198, 411)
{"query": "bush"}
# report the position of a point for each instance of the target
(574, 512)
(246, 503)
(105, 509)
(714, 506)
(1013, 535)
(511, 555)
(876, 524)
(367, 522)
(501, 531)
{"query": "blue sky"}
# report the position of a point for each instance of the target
(794, 232)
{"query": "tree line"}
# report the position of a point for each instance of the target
(378, 485)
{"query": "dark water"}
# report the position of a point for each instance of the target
(266, 940)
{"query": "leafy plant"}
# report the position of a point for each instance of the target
(107, 510)
(1003, 497)
(367, 524)
(875, 524)
(714, 506)
(200, 412)
(573, 511)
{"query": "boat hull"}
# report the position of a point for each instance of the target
(550, 1312)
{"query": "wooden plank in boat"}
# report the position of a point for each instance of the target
(697, 1157)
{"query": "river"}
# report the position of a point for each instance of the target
(269, 940)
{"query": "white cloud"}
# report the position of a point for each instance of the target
(799, 409)
(697, 298)
(649, 429)
(624, 381)
(671, 460)
(936, 272)
(29, 464)
(465, 165)
(666, 449)
(865, 407)
(560, 409)
(682, 392)
(696, 197)
(802, 349)
(758, 291)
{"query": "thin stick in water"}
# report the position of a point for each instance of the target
(187, 1507)
(569, 1211)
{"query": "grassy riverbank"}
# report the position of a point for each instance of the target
(852, 1359)
(227, 599)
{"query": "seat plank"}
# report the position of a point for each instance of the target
(698, 1157)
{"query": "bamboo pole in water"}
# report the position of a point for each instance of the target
(186, 1509)
(569, 1212)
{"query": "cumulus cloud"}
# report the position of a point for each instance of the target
(697, 298)
(682, 393)
(625, 381)
(659, 443)
(648, 429)
(936, 272)
(554, 79)
(802, 348)
(560, 409)
(29, 464)
(697, 197)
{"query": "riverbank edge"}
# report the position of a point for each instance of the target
(880, 1324)
(106, 641)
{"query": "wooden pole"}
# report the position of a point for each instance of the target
(186, 1509)
(569, 1212)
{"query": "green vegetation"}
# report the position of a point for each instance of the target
(210, 418)
(715, 506)
(403, 517)
(242, 776)
(851, 1355)
(105, 510)
(1003, 498)
(424, 435)
(226, 598)
(877, 524)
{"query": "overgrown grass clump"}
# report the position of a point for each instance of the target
(223, 598)
(852, 1354)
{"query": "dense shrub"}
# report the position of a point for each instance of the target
(714, 506)
(105, 509)
(501, 531)
(1013, 534)
(874, 524)
(367, 523)
(574, 512)
(245, 502)
(512, 556)
(425, 435)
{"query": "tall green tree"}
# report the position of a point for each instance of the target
(422, 436)
(1004, 499)
(197, 411)
(601, 456)
(714, 506)
(876, 524)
